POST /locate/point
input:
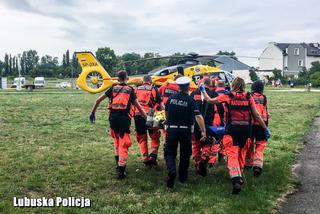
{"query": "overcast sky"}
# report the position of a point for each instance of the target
(164, 26)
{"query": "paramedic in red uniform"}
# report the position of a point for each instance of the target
(148, 97)
(169, 89)
(201, 151)
(165, 92)
(258, 138)
(238, 128)
(121, 98)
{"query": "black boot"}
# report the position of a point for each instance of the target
(122, 173)
(146, 163)
(117, 160)
(183, 175)
(203, 168)
(256, 171)
(236, 185)
(171, 179)
(153, 160)
(221, 158)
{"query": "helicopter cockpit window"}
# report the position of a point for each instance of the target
(230, 77)
(220, 75)
(164, 72)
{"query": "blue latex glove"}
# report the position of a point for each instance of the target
(268, 133)
(201, 87)
(92, 117)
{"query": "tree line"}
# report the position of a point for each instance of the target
(31, 64)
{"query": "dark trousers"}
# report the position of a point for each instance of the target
(140, 124)
(173, 138)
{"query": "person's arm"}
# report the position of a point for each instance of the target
(97, 103)
(258, 118)
(199, 119)
(166, 108)
(208, 98)
(92, 116)
(159, 99)
(161, 106)
(140, 109)
(200, 122)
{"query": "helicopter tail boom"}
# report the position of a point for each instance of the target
(93, 78)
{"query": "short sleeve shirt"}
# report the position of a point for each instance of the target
(181, 110)
(132, 98)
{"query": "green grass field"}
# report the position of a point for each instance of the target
(48, 148)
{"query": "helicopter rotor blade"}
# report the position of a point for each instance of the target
(153, 58)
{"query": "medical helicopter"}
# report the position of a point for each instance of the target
(95, 79)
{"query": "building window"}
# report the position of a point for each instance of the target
(296, 51)
(300, 62)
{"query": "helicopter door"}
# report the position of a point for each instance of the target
(180, 70)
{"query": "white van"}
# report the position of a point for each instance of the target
(17, 80)
(39, 82)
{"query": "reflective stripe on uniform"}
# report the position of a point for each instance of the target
(179, 127)
(259, 100)
(237, 122)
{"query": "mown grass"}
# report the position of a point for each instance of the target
(48, 148)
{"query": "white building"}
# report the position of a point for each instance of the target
(290, 58)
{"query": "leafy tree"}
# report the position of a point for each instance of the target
(130, 67)
(67, 58)
(315, 67)
(253, 75)
(10, 64)
(64, 61)
(231, 54)
(306, 77)
(315, 73)
(47, 67)
(30, 61)
(174, 61)
(315, 79)
(2, 68)
(108, 59)
(148, 65)
(6, 64)
(277, 74)
(75, 66)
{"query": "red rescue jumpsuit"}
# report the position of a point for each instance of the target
(255, 153)
(121, 97)
(219, 119)
(238, 131)
(201, 151)
(165, 92)
(148, 96)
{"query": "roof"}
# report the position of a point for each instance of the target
(283, 46)
(230, 64)
(313, 49)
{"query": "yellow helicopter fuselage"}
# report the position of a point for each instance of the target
(95, 79)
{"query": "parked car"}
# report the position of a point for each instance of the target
(17, 80)
(63, 85)
(39, 82)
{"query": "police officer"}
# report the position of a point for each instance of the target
(181, 110)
